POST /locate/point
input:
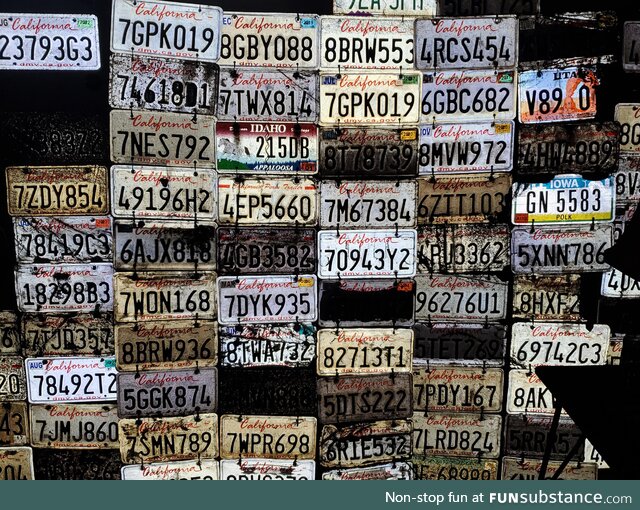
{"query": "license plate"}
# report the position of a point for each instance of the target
(166, 29)
(624, 214)
(164, 296)
(393, 471)
(616, 284)
(557, 95)
(267, 469)
(557, 148)
(627, 180)
(165, 439)
(364, 444)
(280, 40)
(64, 464)
(267, 437)
(53, 240)
(202, 469)
(167, 139)
(457, 389)
(470, 43)
(627, 114)
(528, 394)
(457, 435)
(367, 204)
(465, 344)
(266, 250)
(366, 253)
(273, 201)
(564, 199)
(71, 379)
(89, 426)
(57, 191)
(283, 148)
(386, 7)
(164, 245)
(166, 345)
(528, 436)
(547, 298)
(461, 298)
(463, 248)
(364, 351)
(366, 43)
(554, 250)
(368, 151)
(58, 42)
(64, 287)
(353, 303)
(631, 47)
(466, 148)
(167, 393)
(479, 198)
(14, 424)
(16, 463)
(514, 468)
(379, 98)
(428, 467)
(468, 96)
(559, 344)
(474, 8)
(163, 84)
(614, 353)
(288, 345)
(268, 95)
(67, 335)
(10, 340)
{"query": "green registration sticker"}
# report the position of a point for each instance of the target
(85, 23)
(110, 363)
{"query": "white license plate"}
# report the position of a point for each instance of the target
(16, 463)
(367, 204)
(528, 394)
(71, 379)
(374, 98)
(627, 179)
(468, 43)
(267, 299)
(631, 47)
(13, 385)
(394, 471)
(559, 344)
(201, 469)
(461, 298)
(366, 253)
(514, 468)
(386, 7)
(628, 115)
(557, 95)
(55, 42)
(159, 192)
(466, 148)
(166, 29)
(553, 250)
(53, 240)
(273, 201)
(547, 298)
(432, 467)
(564, 199)
(616, 284)
(468, 96)
(168, 139)
(366, 43)
(64, 287)
(282, 40)
(267, 148)
(163, 84)
(267, 469)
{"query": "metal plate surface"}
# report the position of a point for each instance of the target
(546, 298)
(393, 471)
(16, 463)
(631, 47)
(627, 180)
(616, 284)
(386, 7)
(528, 394)
(627, 114)
(10, 333)
(428, 467)
(528, 435)
(267, 469)
(514, 468)
(204, 469)
(14, 424)
(52, 464)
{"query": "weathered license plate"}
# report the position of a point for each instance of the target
(386, 7)
(528, 436)
(91, 426)
(71, 379)
(631, 47)
(466, 148)
(376, 98)
(66, 464)
(10, 333)
(267, 469)
(470, 43)
(364, 444)
(364, 351)
(518, 468)
(168, 139)
(559, 344)
(528, 394)
(431, 467)
(475, 8)
(55, 42)
(553, 250)
(266, 95)
(367, 204)
(393, 471)
(366, 253)
(165, 84)
(457, 389)
(14, 424)
(366, 43)
(267, 148)
(547, 298)
(166, 345)
(165, 439)
(16, 463)
(627, 114)
(267, 299)
(166, 29)
(201, 469)
(167, 393)
(468, 96)
(57, 191)
(164, 296)
(616, 284)
(368, 151)
(64, 287)
(267, 437)
(614, 353)
(54, 240)
(627, 180)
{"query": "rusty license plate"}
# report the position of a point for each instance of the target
(14, 424)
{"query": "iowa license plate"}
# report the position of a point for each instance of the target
(631, 47)
(267, 469)
(16, 463)
(518, 468)
(528, 394)
(475, 8)
(386, 7)
(616, 284)
(10, 333)
(14, 424)
(627, 114)
(13, 386)
(547, 298)
(428, 467)
(392, 471)
(528, 436)
(202, 469)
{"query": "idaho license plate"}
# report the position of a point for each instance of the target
(16, 463)
(14, 424)
(518, 468)
(267, 469)
(202, 469)
(627, 114)
(547, 298)
(392, 471)
(431, 467)
(13, 385)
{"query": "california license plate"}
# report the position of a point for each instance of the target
(267, 469)
(631, 47)
(201, 469)
(616, 284)
(627, 180)
(392, 471)
(528, 394)
(627, 114)
(474, 8)
(16, 463)
(10, 333)
(14, 424)
(386, 7)
(528, 436)
(547, 298)
(13, 384)
(432, 467)
(518, 468)
(67, 464)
